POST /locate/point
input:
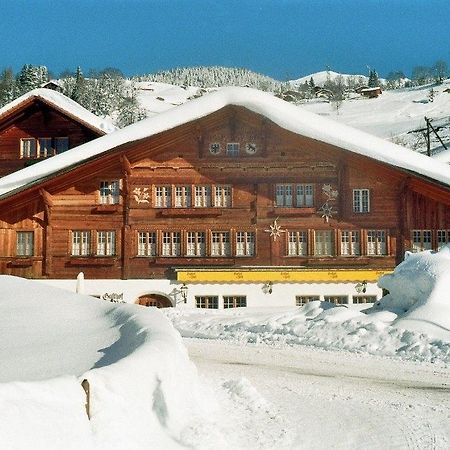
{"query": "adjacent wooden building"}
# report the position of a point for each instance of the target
(237, 198)
(43, 123)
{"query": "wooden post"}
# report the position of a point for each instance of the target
(427, 120)
(86, 387)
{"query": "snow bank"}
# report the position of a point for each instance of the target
(143, 389)
(419, 292)
(412, 322)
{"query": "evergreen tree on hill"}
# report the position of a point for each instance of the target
(31, 77)
(7, 87)
(374, 81)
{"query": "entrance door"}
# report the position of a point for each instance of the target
(155, 300)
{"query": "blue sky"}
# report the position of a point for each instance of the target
(285, 39)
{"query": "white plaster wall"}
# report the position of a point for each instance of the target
(283, 294)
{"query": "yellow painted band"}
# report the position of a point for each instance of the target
(307, 276)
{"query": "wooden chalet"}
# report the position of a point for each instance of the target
(43, 123)
(229, 199)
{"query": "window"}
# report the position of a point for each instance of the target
(376, 243)
(304, 195)
(294, 195)
(297, 243)
(183, 197)
(222, 196)
(202, 196)
(350, 243)
(61, 144)
(109, 192)
(163, 197)
(196, 244)
(81, 243)
(283, 195)
(233, 149)
(336, 299)
(28, 148)
(358, 299)
(301, 300)
(146, 243)
(45, 147)
(361, 201)
(171, 243)
(245, 243)
(25, 243)
(235, 301)
(421, 240)
(443, 238)
(210, 301)
(220, 243)
(106, 243)
(324, 243)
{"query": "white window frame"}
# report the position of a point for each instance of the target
(421, 240)
(202, 196)
(245, 243)
(163, 196)
(304, 195)
(183, 196)
(147, 243)
(284, 195)
(442, 238)
(222, 196)
(220, 243)
(301, 300)
(234, 301)
(28, 148)
(207, 301)
(297, 243)
(324, 244)
(24, 243)
(336, 299)
(80, 243)
(350, 243)
(171, 243)
(361, 201)
(109, 192)
(376, 241)
(195, 243)
(106, 243)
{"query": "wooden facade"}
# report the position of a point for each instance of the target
(225, 191)
(36, 130)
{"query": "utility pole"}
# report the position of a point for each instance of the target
(430, 127)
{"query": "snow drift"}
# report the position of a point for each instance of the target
(419, 292)
(143, 388)
(412, 322)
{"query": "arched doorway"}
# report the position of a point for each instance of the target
(155, 300)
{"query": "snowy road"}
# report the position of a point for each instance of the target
(301, 397)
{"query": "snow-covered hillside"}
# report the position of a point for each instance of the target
(320, 78)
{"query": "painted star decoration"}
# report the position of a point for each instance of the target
(275, 230)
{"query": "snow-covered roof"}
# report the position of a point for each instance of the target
(62, 103)
(443, 156)
(287, 116)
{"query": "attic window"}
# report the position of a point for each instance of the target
(28, 148)
(233, 149)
